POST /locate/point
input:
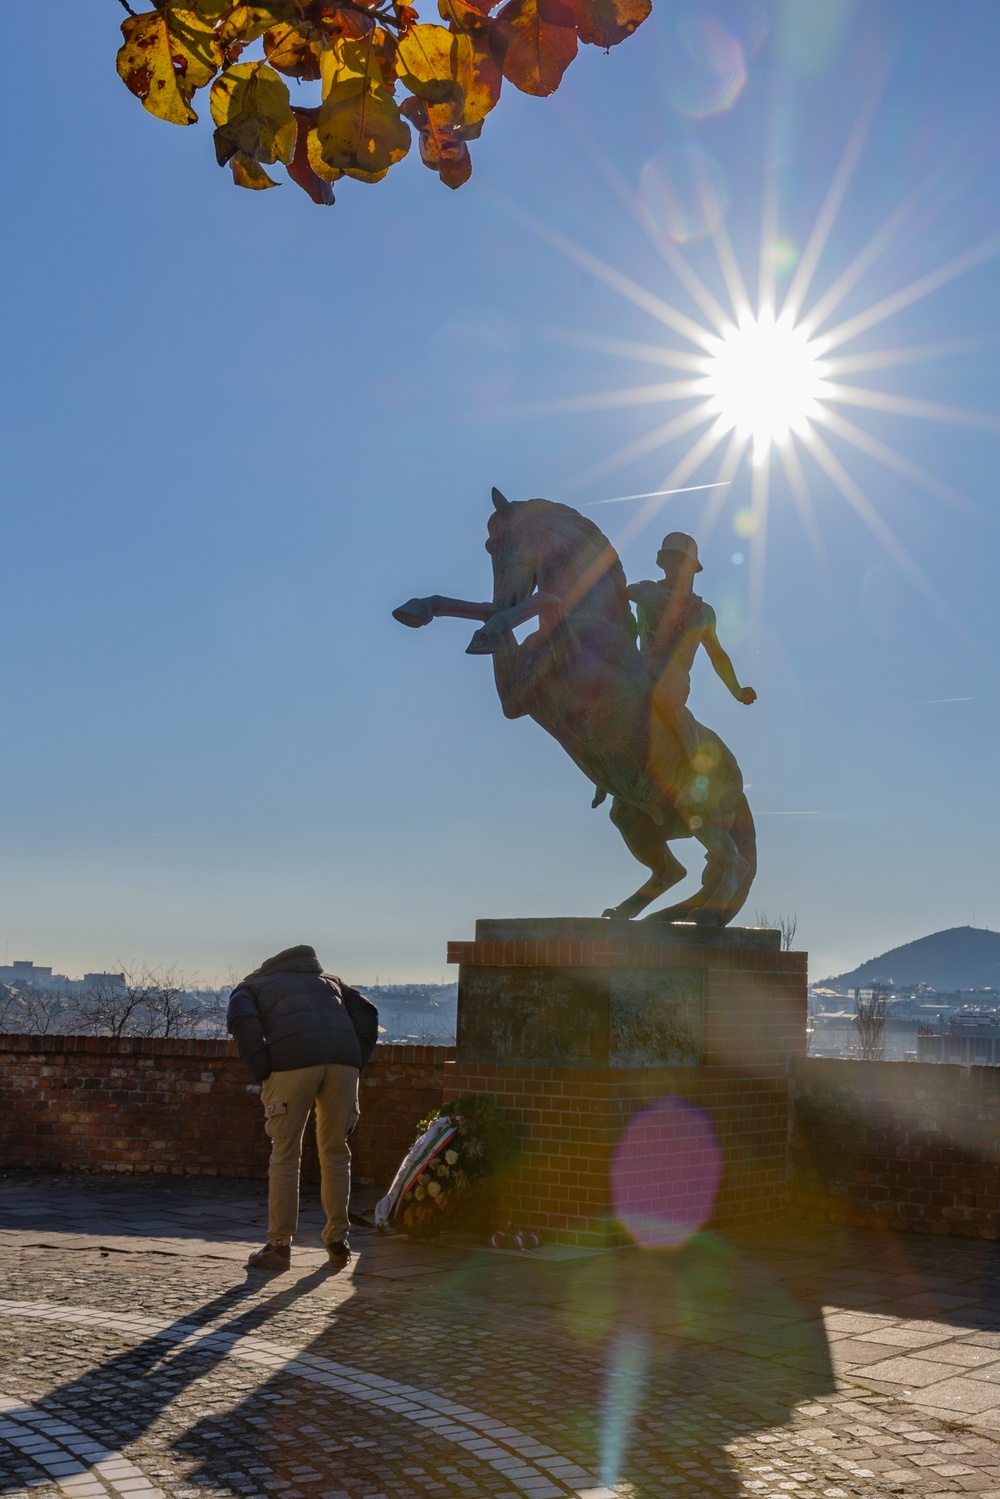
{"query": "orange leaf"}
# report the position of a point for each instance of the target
(466, 15)
(335, 21)
(605, 23)
(442, 142)
(541, 42)
(300, 168)
(482, 89)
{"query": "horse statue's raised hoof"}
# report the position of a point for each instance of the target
(483, 643)
(415, 612)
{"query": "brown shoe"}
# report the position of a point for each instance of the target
(271, 1257)
(339, 1253)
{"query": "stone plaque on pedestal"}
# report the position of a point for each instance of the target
(574, 1025)
(581, 1017)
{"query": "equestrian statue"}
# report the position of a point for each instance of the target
(613, 691)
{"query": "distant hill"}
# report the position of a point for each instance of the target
(964, 957)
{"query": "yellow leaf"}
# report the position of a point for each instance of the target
(210, 10)
(358, 130)
(245, 23)
(441, 67)
(168, 54)
(250, 106)
(294, 50)
(361, 132)
(347, 59)
(434, 63)
(247, 172)
(314, 150)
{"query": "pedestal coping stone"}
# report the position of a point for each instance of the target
(602, 929)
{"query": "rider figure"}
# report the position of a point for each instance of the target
(673, 623)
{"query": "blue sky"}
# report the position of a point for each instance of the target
(238, 429)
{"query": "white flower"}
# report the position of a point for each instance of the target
(433, 1188)
(451, 1156)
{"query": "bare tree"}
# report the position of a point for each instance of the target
(111, 1008)
(139, 1002)
(871, 1011)
(150, 1002)
(786, 925)
(208, 1011)
(26, 1009)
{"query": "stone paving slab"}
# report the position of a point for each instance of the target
(137, 1358)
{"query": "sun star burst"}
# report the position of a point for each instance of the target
(764, 379)
(771, 381)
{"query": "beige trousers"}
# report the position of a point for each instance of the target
(288, 1099)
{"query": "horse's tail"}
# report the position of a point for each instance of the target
(744, 835)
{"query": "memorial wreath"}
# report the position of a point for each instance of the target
(444, 1176)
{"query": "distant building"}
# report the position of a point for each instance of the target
(24, 971)
(415, 1013)
(972, 1039)
(923, 1024)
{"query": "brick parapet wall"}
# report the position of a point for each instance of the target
(911, 1146)
(140, 1104)
(900, 1145)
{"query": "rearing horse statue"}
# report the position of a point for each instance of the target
(581, 676)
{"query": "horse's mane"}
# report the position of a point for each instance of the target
(597, 539)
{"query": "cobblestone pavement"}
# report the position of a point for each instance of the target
(139, 1360)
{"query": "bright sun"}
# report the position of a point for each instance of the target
(764, 379)
(772, 381)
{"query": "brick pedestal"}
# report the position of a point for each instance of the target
(573, 1025)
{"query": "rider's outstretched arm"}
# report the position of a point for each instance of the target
(723, 666)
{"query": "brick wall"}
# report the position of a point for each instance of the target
(902, 1145)
(569, 1122)
(132, 1104)
(892, 1144)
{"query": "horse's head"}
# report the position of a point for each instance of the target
(512, 546)
(547, 552)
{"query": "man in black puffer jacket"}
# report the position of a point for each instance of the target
(305, 1036)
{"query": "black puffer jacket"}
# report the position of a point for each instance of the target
(289, 1014)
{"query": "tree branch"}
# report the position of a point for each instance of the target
(128, 7)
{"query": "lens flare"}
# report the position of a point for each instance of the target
(705, 69)
(764, 379)
(684, 191)
(665, 1173)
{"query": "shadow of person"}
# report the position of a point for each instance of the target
(130, 1390)
(639, 1367)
